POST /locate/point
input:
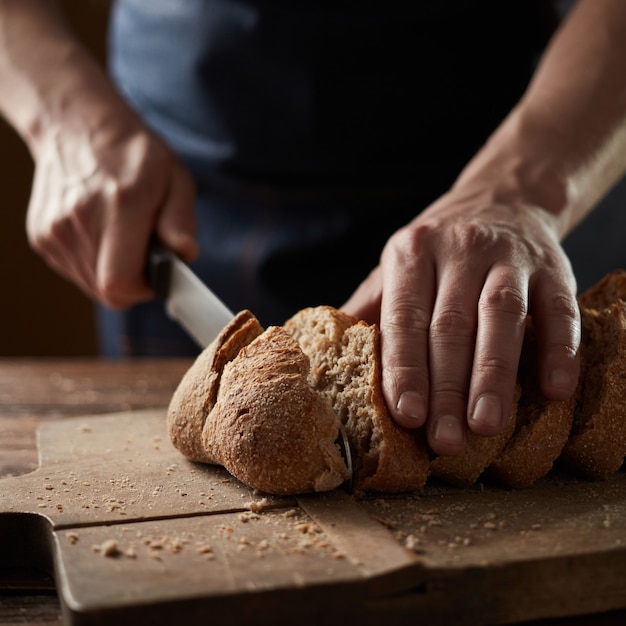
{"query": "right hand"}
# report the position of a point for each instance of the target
(98, 196)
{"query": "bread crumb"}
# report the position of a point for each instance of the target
(108, 548)
(411, 542)
(257, 506)
(71, 536)
(307, 528)
(204, 548)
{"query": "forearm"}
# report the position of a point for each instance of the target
(47, 78)
(564, 145)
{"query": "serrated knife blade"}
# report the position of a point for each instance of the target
(187, 299)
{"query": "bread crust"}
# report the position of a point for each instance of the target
(597, 445)
(538, 440)
(464, 469)
(196, 393)
(542, 426)
(268, 428)
(609, 289)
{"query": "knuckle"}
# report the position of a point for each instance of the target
(470, 235)
(564, 305)
(453, 322)
(504, 300)
(410, 241)
(407, 316)
(496, 366)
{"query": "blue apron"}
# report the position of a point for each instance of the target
(314, 130)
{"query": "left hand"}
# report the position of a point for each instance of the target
(451, 295)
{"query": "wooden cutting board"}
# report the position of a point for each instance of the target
(132, 531)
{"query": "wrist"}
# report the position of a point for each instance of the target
(521, 165)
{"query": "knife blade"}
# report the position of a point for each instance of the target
(187, 299)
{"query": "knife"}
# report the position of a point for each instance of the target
(187, 299)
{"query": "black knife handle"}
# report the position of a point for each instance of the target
(159, 269)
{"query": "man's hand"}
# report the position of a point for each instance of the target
(96, 201)
(103, 183)
(451, 295)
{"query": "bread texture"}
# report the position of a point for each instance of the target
(542, 427)
(597, 445)
(608, 290)
(346, 369)
(268, 427)
(196, 393)
(479, 453)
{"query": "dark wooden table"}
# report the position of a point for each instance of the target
(34, 391)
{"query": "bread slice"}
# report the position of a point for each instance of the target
(464, 469)
(597, 444)
(346, 369)
(542, 427)
(268, 428)
(196, 393)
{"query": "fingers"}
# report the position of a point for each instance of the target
(558, 326)
(128, 227)
(406, 310)
(176, 221)
(452, 326)
(502, 308)
(451, 346)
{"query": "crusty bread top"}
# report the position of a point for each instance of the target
(346, 368)
(196, 393)
(268, 427)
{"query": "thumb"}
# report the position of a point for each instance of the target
(176, 222)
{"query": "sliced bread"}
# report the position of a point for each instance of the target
(542, 427)
(597, 444)
(465, 468)
(346, 369)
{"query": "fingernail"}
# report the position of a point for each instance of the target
(411, 404)
(488, 412)
(447, 429)
(560, 379)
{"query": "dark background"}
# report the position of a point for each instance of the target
(41, 314)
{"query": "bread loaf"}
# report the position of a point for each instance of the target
(269, 405)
